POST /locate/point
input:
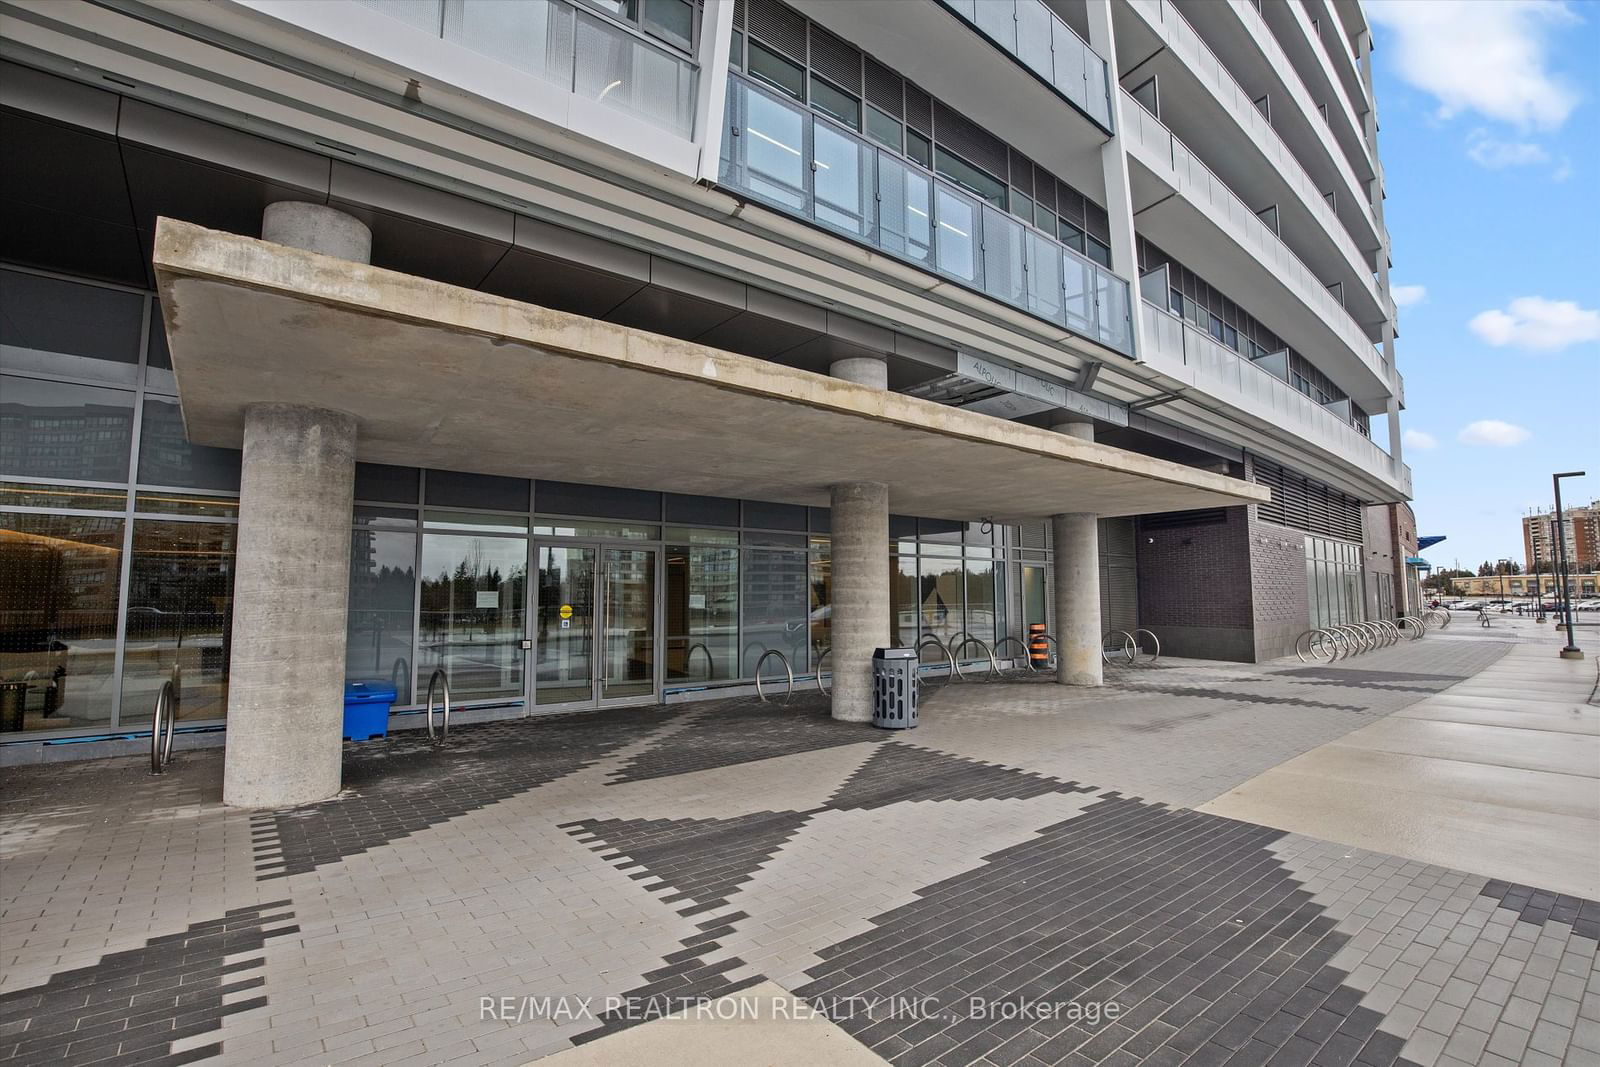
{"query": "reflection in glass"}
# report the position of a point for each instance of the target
(905, 214)
(776, 601)
(821, 583)
(905, 624)
(565, 629)
(943, 598)
(180, 611)
(167, 458)
(78, 498)
(982, 617)
(957, 240)
(1032, 597)
(842, 181)
(774, 150)
(627, 590)
(472, 613)
(383, 571)
(58, 620)
(702, 613)
(56, 430)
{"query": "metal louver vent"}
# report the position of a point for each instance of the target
(919, 110)
(1176, 520)
(1021, 173)
(1302, 504)
(1031, 535)
(835, 60)
(738, 14)
(778, 28)
(1045, 189)
(969, 140)
(884, 89)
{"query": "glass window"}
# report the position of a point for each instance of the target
(57, 430)
(904, 621)
(736, 50)
(379, 481)
(1022, 206)
(472, 622)
(835, 102)
(670, 20)
(27, 495)
(983, 619)
(919, 148)
(775, 602)
(59, 578)
(964, 174)
(767, 516)
(596, 501)
(1071, 236)
(1044, 218)
(51, 326)
(776, 71)
(1214, 327)
(180, 612)
(821, 583)
(457, 489)
(167, 458)
(470, 520)
(611, 530)
(884, 128)
(160, 503)
(943, 599)
(383, 575)
(702, 613)
(1097, 251)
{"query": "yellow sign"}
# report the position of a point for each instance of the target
(566, 611)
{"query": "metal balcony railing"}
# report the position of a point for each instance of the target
(576, 50)
(1179, 350)
(1042, 42)
(783, 155)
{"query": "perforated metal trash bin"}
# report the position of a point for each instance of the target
(894, 688)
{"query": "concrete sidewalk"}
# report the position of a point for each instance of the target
(1498, 774)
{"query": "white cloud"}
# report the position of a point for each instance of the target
(1419, 439)
(1492, 432)
(1488, 152)
(1563, 170)
(1484, 56)
(1406, 295)
(1537, 323)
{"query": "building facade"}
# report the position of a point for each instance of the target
(600, 352)
(1581, 586)
(1580, 529)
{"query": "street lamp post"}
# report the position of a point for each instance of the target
(1538, 588)
(1503, 565)
(1572, 651)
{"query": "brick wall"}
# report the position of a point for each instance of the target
(1280, 600)
(1195, 588)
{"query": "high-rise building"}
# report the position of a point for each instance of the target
(638, 345)
(1580, 529)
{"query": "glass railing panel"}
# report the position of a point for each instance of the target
(905, 210)
(1079, 294)
(1111, 314)
(1045, 294)
(775, 151)
(956, 241)
(998, 19)
(1003, 276)
(1038, 39)
(578, 51)
(844, 182)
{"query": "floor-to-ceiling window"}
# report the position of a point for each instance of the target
(1333, 582)
(116, 533)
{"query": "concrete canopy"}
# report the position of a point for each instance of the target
(452, 378)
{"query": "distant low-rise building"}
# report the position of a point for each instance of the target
(1520, 585)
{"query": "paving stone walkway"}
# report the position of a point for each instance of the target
(1021, 880)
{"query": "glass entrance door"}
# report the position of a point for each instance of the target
(594, 630)
(472, 613)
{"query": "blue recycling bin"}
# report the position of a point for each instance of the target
(366, 709)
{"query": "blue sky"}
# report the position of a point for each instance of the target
(1489, 129)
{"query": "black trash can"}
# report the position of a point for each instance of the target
(894, 688)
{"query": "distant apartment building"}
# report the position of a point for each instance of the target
(1580, 529)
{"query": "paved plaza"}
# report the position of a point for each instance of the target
(1034, 875)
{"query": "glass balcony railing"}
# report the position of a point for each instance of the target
(782, 155)
(1177, 349)
(586, 55)
(1040, 41)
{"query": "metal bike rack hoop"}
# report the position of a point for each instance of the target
(439, 682)
(1027, 659)
(994, 665)
(787, 670)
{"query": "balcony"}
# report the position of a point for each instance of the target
(789, 158)
(591, 57)
(1037, 38)
(1179, 351)
(1307, 213)
(1310, 311)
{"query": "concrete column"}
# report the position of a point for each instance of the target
(290, 587)
(1114, 169)
(860, 525)
(863, 370)
(292, 576)
(317, 228)
(1076, 540)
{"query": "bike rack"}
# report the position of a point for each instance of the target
(1155, 653)
(970, 639)
(1027, 660)
(164, 721)
(1130, 647)
(711, 663)
(926, 639)
(1054, 644)
(787, 670)
(824, 655)
(440, 682)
